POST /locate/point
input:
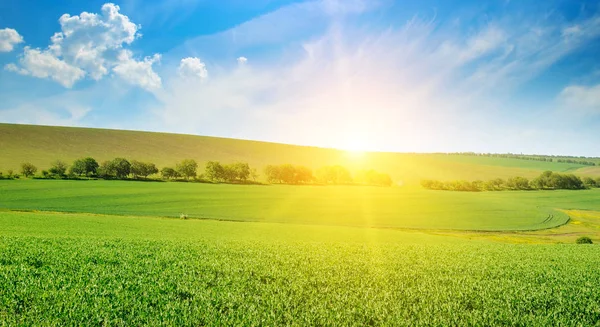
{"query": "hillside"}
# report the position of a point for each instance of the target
(41, 145)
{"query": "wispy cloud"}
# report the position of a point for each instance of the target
(410, 87)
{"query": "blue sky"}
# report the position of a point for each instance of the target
(418, 76)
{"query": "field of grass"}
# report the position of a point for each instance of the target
(383, 207)
(82, 269)
(41, 145)
(115, 253)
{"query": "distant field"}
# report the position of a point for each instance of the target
(387, 207)
(41, 145)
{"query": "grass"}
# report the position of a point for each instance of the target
(81, 269)
(114, 253)
(41, 145)
(383, 207)
(119, 264)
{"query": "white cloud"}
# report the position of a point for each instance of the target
(242, 61)
(138, 72)
(90, 45)
(192, 67)
(8, 39)
(580, 97)
(43, 64)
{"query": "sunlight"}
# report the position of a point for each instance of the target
(355, 147)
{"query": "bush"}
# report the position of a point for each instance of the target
(584, 240)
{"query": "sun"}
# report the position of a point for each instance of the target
(355, 147)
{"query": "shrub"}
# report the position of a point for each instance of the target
(28, 169)
(584, 240)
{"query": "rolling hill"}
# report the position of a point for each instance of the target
(41, 145)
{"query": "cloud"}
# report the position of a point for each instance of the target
(578, 97)
(43, 64)
(8, 39)
(242, 60)
(70, 115)
(90, 45)
(138, 72)
(192, 67)
(417, 86)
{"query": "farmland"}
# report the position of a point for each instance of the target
(122, 270)
(115, 252)
(388, 207)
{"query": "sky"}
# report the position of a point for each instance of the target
(382, 75)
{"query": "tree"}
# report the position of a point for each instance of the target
(187, 168)
(334, 174)
(121, 167)
(253, 174)
(518, 183)
(589, 182)
(214, 171)
(169, 173)
(28, 169)
(85, 166)
(241, 171)
(143, 169)
(273, 174)
(303, 174)
(58, 168)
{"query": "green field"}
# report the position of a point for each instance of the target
(78, 269)
(387, 207)
(41, 145)
(115, 253)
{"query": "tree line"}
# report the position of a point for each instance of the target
(548, 180)
(334, 175)
(535, 157)
(214, 171)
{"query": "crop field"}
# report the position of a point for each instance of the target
(393, 207)
(83, 269)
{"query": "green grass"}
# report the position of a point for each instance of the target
(106, 253)
(77, 269)
(383, 207)
(312, 260)
(42, 145)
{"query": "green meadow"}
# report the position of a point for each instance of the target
(360, 206)
(117, 253)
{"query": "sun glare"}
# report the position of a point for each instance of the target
(355, 147)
